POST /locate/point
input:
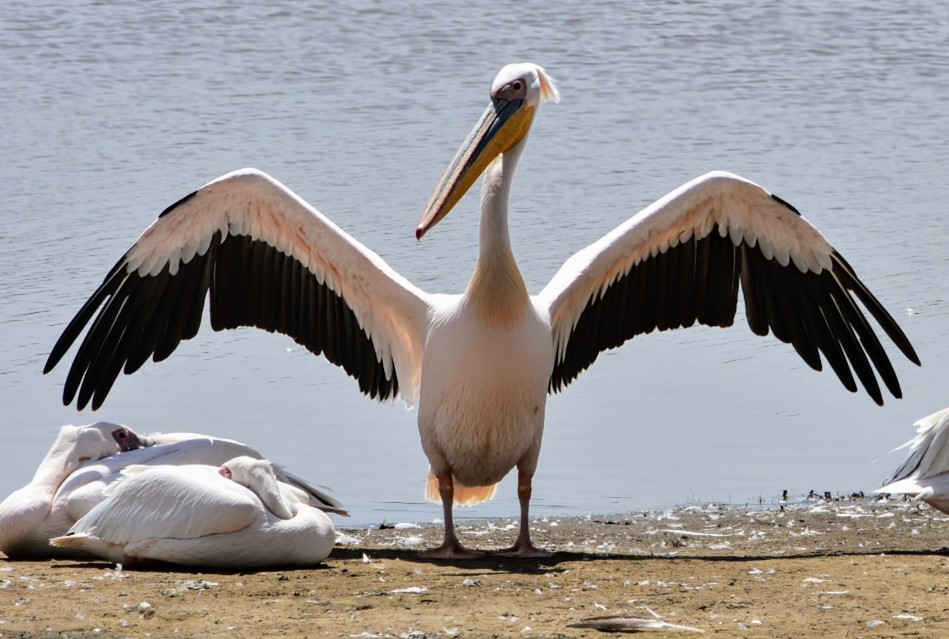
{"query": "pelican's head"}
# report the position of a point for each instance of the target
(258, 475)
(516, 93)
(77, 445)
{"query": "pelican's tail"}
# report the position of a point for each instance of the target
(464, 495)
(69, 541)
(89, 544)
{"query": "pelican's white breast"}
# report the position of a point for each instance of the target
(484, 390)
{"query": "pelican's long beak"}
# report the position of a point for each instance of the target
(504, 124)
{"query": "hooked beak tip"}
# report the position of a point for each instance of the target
(419, 232)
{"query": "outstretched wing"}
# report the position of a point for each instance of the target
(269, 260)
(683, 259)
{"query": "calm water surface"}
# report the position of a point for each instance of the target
(111, 112)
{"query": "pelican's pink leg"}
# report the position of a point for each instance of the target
(523, 546)
(451, 548)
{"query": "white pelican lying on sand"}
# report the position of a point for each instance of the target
(85, 460)
(479, 364)
(31, 515)
(235, 516)
(924, 475)
(85, 486)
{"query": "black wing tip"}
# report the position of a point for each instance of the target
(59, 350)
(912, 356)
(51, 363)
(69, 396)
(872, 304)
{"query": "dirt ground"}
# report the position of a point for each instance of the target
(822, 568)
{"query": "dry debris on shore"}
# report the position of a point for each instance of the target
(845, 567)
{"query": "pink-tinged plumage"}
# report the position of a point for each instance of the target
(482, 363)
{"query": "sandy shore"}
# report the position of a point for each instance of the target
(847, 568)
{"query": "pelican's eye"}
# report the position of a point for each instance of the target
(513, 90)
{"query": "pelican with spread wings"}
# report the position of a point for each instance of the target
(480, 364)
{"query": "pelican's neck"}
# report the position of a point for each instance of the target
(60, 462)
(497, 289)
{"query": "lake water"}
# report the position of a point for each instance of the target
(113, 111)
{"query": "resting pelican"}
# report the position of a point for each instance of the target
(31, 515)
(84, 488)
(479, 364)
(924, 474)
(85, 460)
(235, 516)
